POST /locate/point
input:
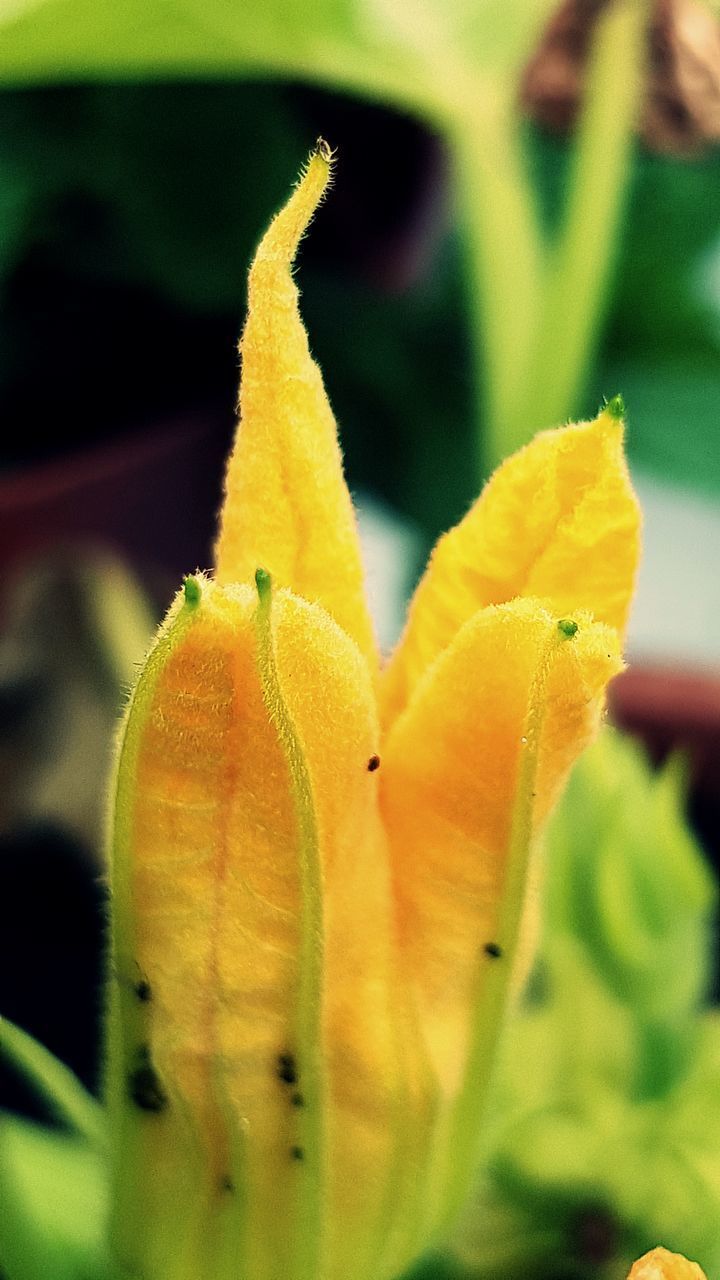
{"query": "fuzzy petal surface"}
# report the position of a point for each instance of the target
(278, 1115)
(660, 1264)
(558, 520)
(450, 788)
(287, 505)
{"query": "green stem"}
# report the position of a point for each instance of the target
(580, 263)
(504, 261)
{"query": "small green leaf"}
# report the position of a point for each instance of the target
(425, 54)
(54, 1082)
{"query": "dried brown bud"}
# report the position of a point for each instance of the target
(681, 110)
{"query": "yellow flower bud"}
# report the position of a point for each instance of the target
(660, 1264)
(318, 866)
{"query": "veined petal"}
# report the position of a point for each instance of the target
(455, 785)
(246, 1092)
(287, 506)
(558, 521)
(660, 1264)
(206, 898)
(378, 1102)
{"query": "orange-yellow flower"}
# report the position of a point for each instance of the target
(318, 865)
(660, 1264)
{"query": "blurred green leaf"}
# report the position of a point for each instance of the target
(52, 1197)
(663, 293)
(55, 1083)
(674, 414)
(605, 1132)
(582, 1041)
(662, 342)
(419, 52)
(629, 882)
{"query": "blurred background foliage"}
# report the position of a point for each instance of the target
(526, 218)
(131, 199)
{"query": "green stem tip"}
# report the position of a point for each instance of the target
(193, 590)
(263, 582)
(615, 407)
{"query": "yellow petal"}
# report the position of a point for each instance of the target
(246, 825)
(287, 506)
(378, 1103)
(660, 1264)
(453, 770)
(203, 802)
(558, 521)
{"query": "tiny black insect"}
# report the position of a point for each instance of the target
(297, 1153)
(226, 1183)
(287, 1068)
(145, 1089)
(373, 764)
(493, 949)
(143, 991)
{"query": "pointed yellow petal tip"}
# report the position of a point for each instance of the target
(325, 152)
(558, 521)
(289, 225)
(660, 1264)
(287, 506)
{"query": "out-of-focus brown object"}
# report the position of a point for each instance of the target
(681, 110)
(675, 709)
(149, 497)
(671, 709)
(76, 623)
